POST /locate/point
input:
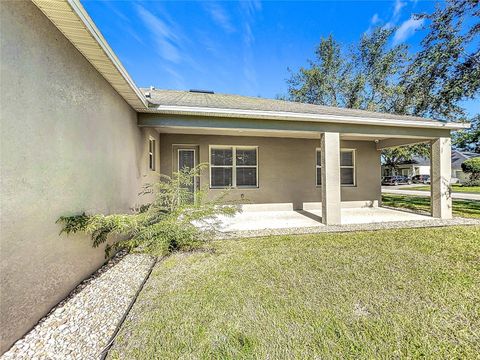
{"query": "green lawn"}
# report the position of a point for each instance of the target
(410, 293)
(462, 208)
(455, 188)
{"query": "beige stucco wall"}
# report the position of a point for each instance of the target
(286, 167)
(69, 144)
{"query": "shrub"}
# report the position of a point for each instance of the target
(471, 183)
(175, 219)
(472, 167)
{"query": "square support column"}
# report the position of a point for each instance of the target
(440, 175)
(330, 158)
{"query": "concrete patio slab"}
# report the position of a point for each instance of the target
(374, 215)
(262, 220)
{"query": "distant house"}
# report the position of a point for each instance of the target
(421, 166)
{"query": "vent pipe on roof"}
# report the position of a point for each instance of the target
(201, 91)
(152, 88)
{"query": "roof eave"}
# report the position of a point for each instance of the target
(102, 56)
(293, 116)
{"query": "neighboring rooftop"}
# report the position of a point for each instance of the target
(458, 157)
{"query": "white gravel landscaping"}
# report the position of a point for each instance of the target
(81, 325)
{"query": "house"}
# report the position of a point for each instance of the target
(79, 135)
(420, 165)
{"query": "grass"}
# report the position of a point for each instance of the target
(410, 293)
(455, 188)
(462, 208)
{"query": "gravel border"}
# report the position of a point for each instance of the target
(349, 227)
(81, 325)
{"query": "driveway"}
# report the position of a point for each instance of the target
(403, 190)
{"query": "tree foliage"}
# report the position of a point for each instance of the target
(175, 219)
(375, 75)
(469, 139)
(447, 68)
(472, 167)
(392, 157)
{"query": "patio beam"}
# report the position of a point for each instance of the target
(394, 142)
(330, 162)
(440, 172)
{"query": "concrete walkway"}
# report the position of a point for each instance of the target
(405, 191)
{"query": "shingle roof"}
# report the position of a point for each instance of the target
(224, 101)
(458, 157)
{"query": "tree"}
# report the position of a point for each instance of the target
(379, 66)
(392, 157)
(447, 68)
(324, 81)
(367, 80)
(374, 76)
(469, 140)
(472, 167)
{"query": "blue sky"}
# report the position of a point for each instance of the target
(240, 47)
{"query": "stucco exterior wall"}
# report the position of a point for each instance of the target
(286, 167)
(69, 144)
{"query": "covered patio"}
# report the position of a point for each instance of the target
(270, 152)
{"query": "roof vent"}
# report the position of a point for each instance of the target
(152, 88)
(201, 91)
(148, 95)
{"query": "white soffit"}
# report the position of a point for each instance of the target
(72, 20)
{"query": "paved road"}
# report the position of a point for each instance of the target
(404, 191)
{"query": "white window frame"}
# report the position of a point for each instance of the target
(354, 157)
(234, 165)
(152, 159)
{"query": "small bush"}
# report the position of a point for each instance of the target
(175, 219)
(472, 183)
(472, 167)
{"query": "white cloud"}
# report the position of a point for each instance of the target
(249, 11)
(164, 37)
(220, 16)
(397, 12)
(373, 22)
(407, 29)
(399, 4)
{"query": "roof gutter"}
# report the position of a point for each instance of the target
(293, 116)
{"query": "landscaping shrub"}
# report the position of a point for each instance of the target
(472, 167)
(472, 183)
(175, 219)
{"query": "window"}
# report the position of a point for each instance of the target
(234, 166)
(347, 167)
(151, 154)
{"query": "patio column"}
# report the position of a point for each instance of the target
(330, 157)
(440, 172)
